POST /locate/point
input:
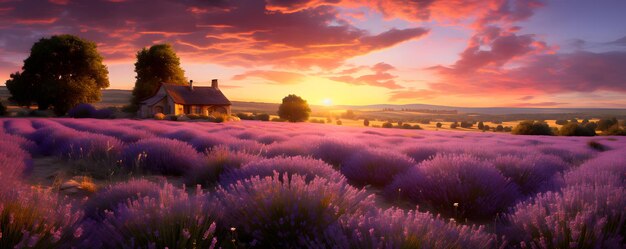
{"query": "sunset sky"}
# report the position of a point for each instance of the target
(447, 52)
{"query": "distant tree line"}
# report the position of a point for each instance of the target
(609, 127)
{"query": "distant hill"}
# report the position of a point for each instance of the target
(115, 97)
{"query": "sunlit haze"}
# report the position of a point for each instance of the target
(355, 52)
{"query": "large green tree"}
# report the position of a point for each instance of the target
(157, 64)
(61, 72)
(294, 109)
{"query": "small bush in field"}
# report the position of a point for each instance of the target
(395, 228)
(532, 173)
(584, 216)
(173, 219)
(161, 155)
(110, 197)
(375, 167)
(82, 111)
(575, 129)
(285, 167)
(479, 189)
(35, 218)
(218, 160)
(294, 213)
(387, 125)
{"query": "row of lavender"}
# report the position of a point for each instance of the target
(301, 185)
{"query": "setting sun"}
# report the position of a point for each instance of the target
(327, 102)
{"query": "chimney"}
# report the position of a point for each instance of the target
(214, 83)
(191, 85)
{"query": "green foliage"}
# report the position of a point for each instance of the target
(61, 72)
(605, 124)
(530, 127)
(294, 109)
(575, 129)
(561, 121)
(615, 130)
(591, 125)
(465, 124)
(155, 65)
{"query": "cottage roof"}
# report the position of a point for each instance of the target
(200, 95)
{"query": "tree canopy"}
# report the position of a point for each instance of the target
(294, 109)
(61, 72)
(157, 64)
(530, 127)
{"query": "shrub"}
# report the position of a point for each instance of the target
(218, 160)
(171, 220)
(605, 124)
(375, 167)
(284, 168)
(244, 116)
(159, 116)
(36, 218)
(582, 217)
(499, 128)
(82, 111)
(107, 199)
(615, 130)
(439, 125)
(575, 129)
(532, 128)
(278, 120)
(269, 212)
(465, 124)
(387, 125)
(161, 155)
(107, 113)
(339, 122)
(366, 122)
(262, 117)
(481, 125)
(454, 125)
(532, 173)
(561, 122)
(477, 186)
(395, 228)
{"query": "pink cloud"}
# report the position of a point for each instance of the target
(275, 77)
(380, 76)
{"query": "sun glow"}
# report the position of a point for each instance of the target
(327, 102)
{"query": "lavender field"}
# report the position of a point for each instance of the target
(249, 184)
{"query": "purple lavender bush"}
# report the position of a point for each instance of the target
(173, 219)
(608, 168)
(161, 155)
(421, 152)
(35, 218)
(396, 228)
(335, 151)
(217, 161)
(109, 198)
(207, 142)
(270, 213)
(532, 173)
(284, 167)
(583, 216)
(477, 188)
(22, 127)
(375, 167)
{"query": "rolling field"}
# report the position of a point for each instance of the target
(91, 183)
